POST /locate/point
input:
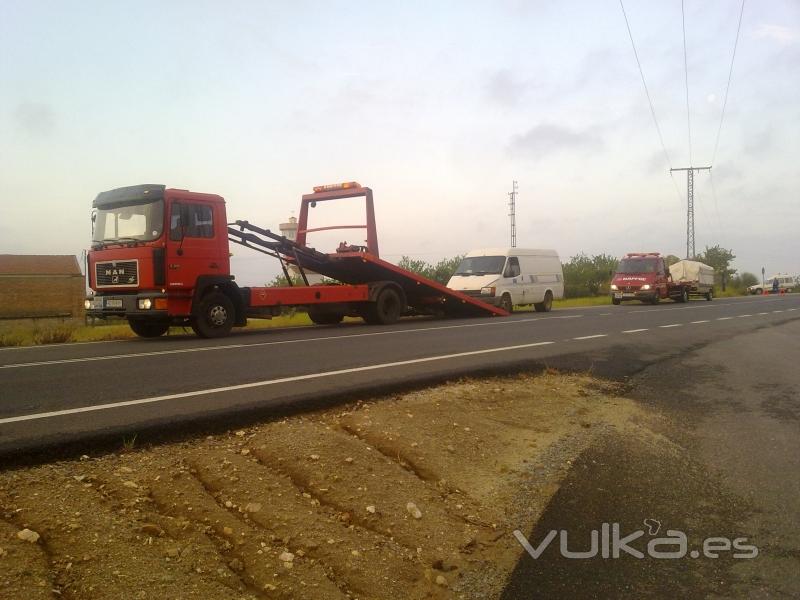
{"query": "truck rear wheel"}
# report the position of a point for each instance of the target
(214, 317)
(386, 309)
(322, 317)
(147, 328)
(710, 295)
(545, 305)
(684, 295)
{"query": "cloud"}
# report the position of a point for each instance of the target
(545, 139)
(777, 33)
(757, 144)
(35, 119)
(505, 89)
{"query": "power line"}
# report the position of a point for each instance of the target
(650, 101)
(686, 77)
(727, 87)
(644, 83)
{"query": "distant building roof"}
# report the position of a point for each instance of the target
(39, 264)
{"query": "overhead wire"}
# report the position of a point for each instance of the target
(728, 86)
(686, 78)
(649, 100)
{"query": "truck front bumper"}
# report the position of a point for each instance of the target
(644, 296)
(145, 305)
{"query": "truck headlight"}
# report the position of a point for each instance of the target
(646, 286)
(87, 304)
(614, 286)
(145, 303)
(487, 291)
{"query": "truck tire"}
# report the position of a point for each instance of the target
(545, 305)
(615, 301)
(656, 298)
(710, 295)
(322, 317)
(386, 309)
(506, 304)
(684, 295)
(215, 316)
(147, 328)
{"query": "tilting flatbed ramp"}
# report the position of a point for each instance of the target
(422, 294)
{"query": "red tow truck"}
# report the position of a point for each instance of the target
(160, 257)
(645, 276)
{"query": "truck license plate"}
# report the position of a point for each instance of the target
(113, 303)
(617, 294)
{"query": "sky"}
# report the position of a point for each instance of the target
(437, 106)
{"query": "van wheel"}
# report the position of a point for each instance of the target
(386, 309)
(506, 304)
(546, 305)
(148, 329)
(214, 317)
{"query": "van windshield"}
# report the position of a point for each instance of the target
(481, 265)
(637, 265)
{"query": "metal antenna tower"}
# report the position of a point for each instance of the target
(690, 247)
(512, 213)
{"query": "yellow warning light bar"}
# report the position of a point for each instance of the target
(336, 186)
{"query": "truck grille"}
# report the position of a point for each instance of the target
(120, 273)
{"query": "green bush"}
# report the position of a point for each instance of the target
(11, 338)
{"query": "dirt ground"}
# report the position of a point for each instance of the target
(413, 496)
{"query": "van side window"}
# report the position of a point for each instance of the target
(191, 220)
(512, 267)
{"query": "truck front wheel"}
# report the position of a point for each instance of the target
(214, 317)
(147, 328)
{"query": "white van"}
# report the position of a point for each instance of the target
(509, 277)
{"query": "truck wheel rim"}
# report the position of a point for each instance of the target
(218, 315)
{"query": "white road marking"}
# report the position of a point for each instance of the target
(672, 325)
(590, 337)
(257, 384)
(634, 330)
(723, 318)
(702, 321)
(742, 316)
(764, 313)
(777, 311)
(65, 361)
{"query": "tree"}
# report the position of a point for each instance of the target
(588, 276)
(747, 279)
(671, 259)
(720, 259)
(442, 271)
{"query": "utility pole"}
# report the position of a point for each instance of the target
(690, 248)
(512, 213)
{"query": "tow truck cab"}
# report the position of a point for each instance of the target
(640, 276)
(155, 252)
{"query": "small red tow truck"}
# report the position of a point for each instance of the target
(645, 276)
(160, 256)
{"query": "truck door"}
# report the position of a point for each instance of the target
(662, 278)
(192, 249)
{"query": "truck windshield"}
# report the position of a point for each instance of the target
(481, 265)
(129, 221)
(637, 265)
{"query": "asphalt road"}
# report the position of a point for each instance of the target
(56, 394)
